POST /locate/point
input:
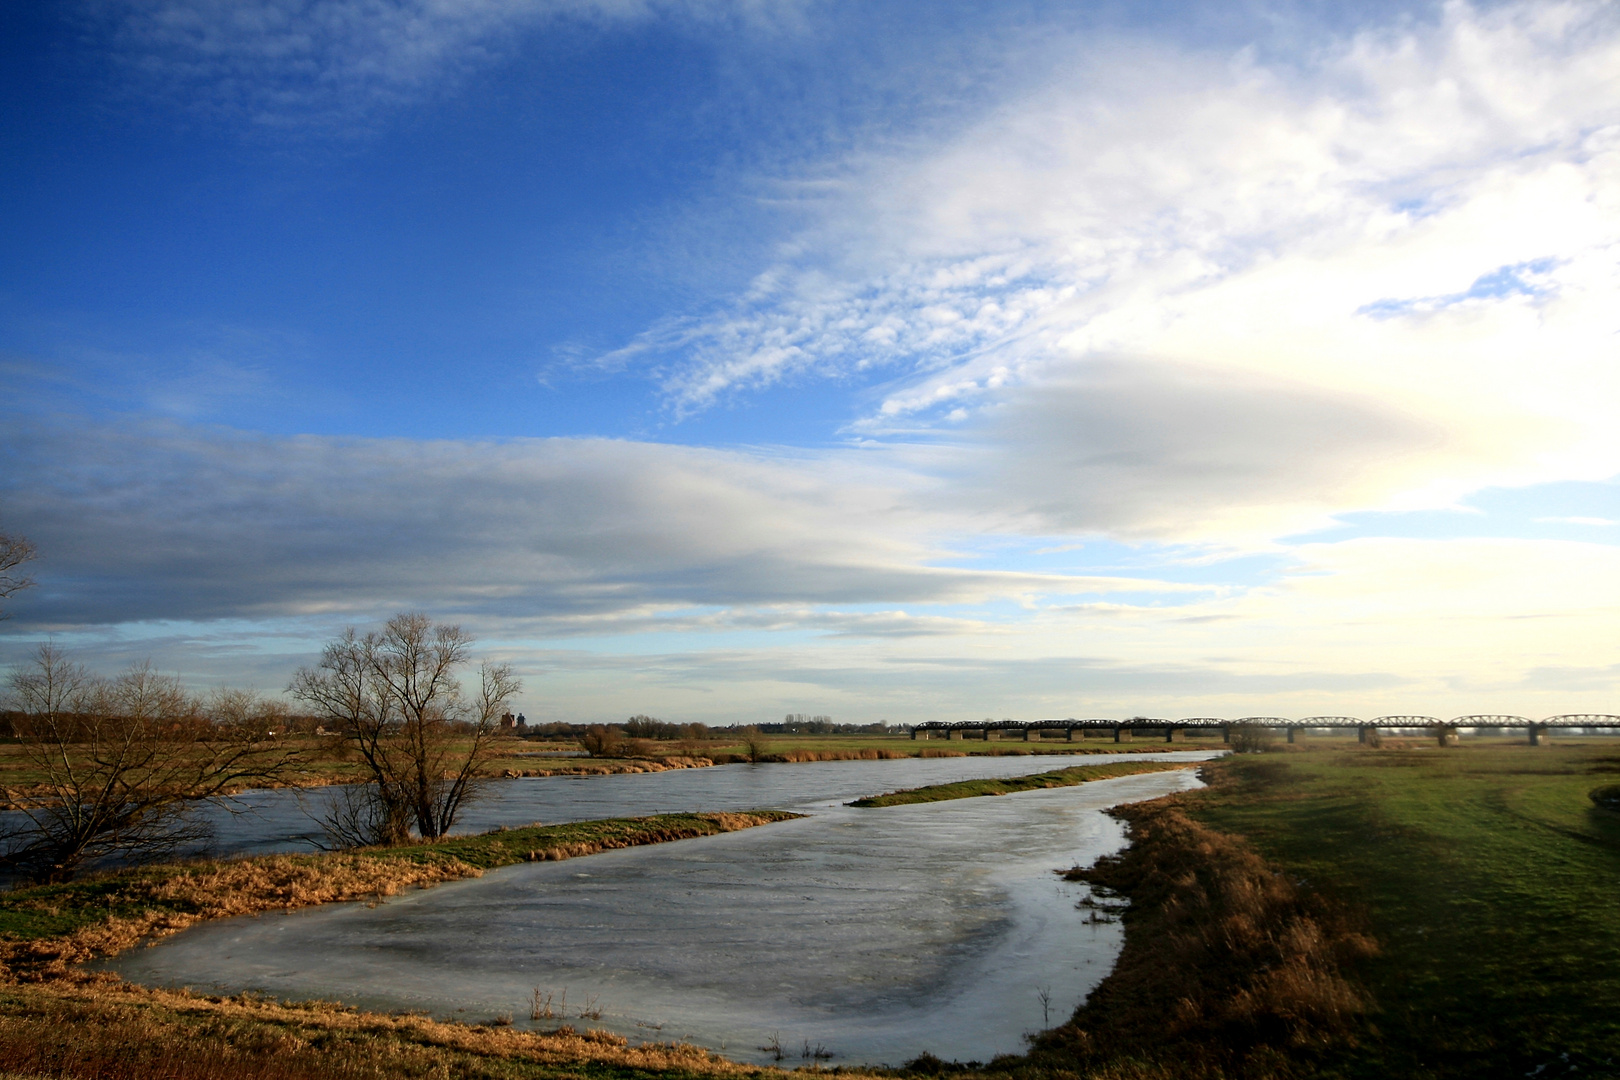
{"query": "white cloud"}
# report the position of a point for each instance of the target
(1420, 224)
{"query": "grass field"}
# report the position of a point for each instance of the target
(1489, 878)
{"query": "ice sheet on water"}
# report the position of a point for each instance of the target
(876, 934)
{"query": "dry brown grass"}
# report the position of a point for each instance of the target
(221, 891)
(118, 1032)
(1229, 968)
(868, 754)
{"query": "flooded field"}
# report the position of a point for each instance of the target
(868, 936)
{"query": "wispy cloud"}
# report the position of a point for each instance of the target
(291, 63)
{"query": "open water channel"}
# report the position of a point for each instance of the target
(871, 935)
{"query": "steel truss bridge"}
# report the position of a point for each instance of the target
(1444, 731)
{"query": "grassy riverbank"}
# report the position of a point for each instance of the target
(47, 929)
(1488, 876)
(1415, 912)
(59, 1021)
(969, 789)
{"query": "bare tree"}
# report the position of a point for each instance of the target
(14, 551)
(125, 764)
(396, 693)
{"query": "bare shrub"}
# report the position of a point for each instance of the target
(1252, 739)
(755, 745)
(1608, 796)
(396, 695)
(126, 763)
(600, 741)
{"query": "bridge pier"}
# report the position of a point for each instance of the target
(1226, 733)
(1367, 736)
(992, 734)
(1123, 734)
(1075, 734)
(1173, 734)
(1538, 735)
(1291, 732)
(955, 735)
(1446, 735)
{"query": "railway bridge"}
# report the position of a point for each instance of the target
(1175, 730)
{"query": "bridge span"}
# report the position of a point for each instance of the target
(1445, 732)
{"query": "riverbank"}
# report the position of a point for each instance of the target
(1358, 913)
(58, 1020)
(46, 930)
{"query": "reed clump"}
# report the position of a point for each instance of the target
(867, 754)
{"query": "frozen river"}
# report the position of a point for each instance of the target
(872, 934)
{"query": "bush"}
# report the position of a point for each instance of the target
(1608, 796)
(600, 741)
(1251, 739)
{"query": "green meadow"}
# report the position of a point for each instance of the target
(1486, 873)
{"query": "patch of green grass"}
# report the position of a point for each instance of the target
(1488, 876)
(968, 789)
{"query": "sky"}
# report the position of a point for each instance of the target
(721, 359)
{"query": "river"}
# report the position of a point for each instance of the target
(871, 935)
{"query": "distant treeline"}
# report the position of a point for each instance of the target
(279, 721)
(650, 727)
(800, 724)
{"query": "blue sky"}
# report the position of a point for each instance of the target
(723, 358)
